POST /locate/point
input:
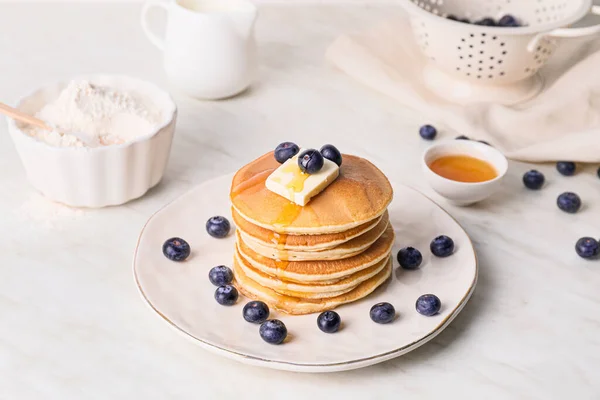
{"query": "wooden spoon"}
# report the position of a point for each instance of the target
(28, 119)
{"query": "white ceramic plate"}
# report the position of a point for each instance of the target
(182, 295)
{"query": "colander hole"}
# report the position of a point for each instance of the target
(480, 69)
(494, 37)
(459, 47)
(539, 48)
(502, 73)
(492, 57)
(461, 57)
(468, 74)
(462, 40)
(483, 42)
(478, 76)
(490, 76)
(504, 52)
(502, 44)
(483, 34)
(470, 34)
(480, 61)
(471, 46)
(491, 67)
(468, 65)
(470, 55)
(481, 52)
(499, 61)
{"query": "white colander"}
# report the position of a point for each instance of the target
(473, 63)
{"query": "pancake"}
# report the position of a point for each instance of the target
(312, 289)
(297, 306)
(345, 250)
(360, 194)
(284, 241)
(324, 272)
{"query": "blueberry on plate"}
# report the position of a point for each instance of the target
(382, 313)
(428, 132)
(566, 168)
(587, 247)
(428, 304)
(226, 295)
(310, 161)
(331, 153)
(329, 321)
(462, 137)
(286, 150)
(508, 21)
(569, 202)
(486, 22)
(176, 249)
(220, 275)
(409, 258)
(218, 227)
(533, 179)
(256, 312)
(442, 246)
(273, 331)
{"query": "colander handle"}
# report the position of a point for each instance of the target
(567, 32)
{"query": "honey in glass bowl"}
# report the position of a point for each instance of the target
(463, 168)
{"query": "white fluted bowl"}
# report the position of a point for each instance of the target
(100, 176)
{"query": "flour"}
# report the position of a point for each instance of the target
(104, 115)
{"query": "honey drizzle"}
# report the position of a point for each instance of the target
(251, 182)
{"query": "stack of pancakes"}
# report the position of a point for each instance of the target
(300, 260)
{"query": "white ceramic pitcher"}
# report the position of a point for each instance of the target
(209, 48)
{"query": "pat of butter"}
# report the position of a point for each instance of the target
(293, 184)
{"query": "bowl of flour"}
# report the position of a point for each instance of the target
(128, 126)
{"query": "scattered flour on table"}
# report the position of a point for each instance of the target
(45, 212)
(104, 114)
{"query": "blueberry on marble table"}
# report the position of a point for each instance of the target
(273, 331)
(220, 275)
(569, 202)
(218, 227)
(587, 247)
(329, 321)
(533, 179)
(428, 305)
(428, 132)
(442, 246)
(310, 161)
(286, 150)
(331, 153)
(409, 258)
(226, 295)
(382, 313)
(566, 168)
(176, 249)
(256, 312)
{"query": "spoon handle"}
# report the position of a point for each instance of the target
(21, 116)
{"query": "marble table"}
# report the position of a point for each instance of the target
(72, 323)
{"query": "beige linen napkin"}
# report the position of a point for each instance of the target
(561, 123)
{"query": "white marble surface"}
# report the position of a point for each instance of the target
(73, 325)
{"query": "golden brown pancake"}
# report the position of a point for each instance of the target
(360, 194)
(311, 289)
(345, 250)
(284, 241)
(320, 271)
(295, 305)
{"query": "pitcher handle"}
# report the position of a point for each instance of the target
(155, 39)
(567, 32)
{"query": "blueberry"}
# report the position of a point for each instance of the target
(533, 179)
(256, 312)
(409, 258)
(329, 321)
(462, 137)
(273, 331)
(218, 227)
(310, 161)
(220, 275)
(226, 295)
(508, 21)
(176, 249)
(427, 132)
(382, 313)
(285, 151)
(486, 22)
(442, 246)
(587, 247)
(428, 304)
(566, 168)
(331, 153)
(569, 202)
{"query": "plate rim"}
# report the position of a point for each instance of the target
(309, 367)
